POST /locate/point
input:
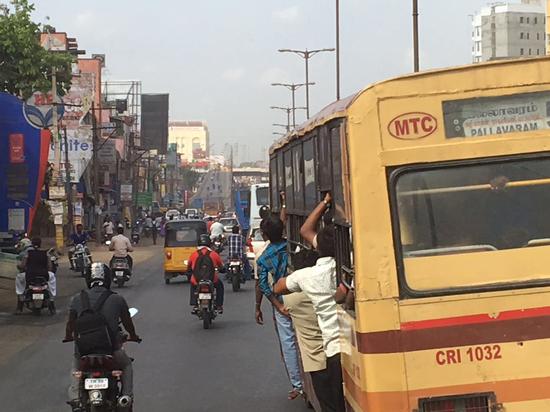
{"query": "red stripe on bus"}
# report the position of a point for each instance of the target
(473, 319)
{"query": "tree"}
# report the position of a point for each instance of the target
(189, 177)
(25, 66)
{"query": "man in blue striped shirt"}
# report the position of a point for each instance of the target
(272, 265)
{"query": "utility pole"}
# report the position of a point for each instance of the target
(415, 37)
(59, 238)
(95, 172)
(293, 87)
(68, 186)
(337, 49)
(306, 55)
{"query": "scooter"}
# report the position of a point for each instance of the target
(121, 271)
(236, 274)
(38, 297)
(100, 382)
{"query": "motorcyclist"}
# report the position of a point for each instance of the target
(203, 249)
(108, 227)
(237, 244)
(121, 245)
(34, 263)
(216, 230)
(114, 310)
(80, 237)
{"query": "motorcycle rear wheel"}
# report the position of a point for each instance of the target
(101, 408)
(236, 282)
(206, 320)
(120, 282)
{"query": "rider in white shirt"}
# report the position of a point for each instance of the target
(216, 230)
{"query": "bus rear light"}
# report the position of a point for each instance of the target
(461, 403)
(168, 255)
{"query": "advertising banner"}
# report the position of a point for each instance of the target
(77, 121)
(23, 163)
(154, 122)
(486, 116)
(80, 147)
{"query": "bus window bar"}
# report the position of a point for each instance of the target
(488, 186)
(350, 273)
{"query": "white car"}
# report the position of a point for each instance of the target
(173, 214)
(257, 242)
(228, 224)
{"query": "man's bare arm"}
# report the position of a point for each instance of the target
(309, 229)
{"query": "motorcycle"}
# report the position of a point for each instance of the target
(81, 259)
(147, 231)
(135, 238)
(218, 244)
(236, 273)
(206, 298)
(121, 271)
(100, 383)
(38, 297)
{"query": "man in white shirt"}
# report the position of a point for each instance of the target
(319, 285)
(216, 230)
(108, 228)
(121, 245)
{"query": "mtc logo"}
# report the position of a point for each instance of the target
(412, 126)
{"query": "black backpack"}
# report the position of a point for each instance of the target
(92, 330)
(204, 267)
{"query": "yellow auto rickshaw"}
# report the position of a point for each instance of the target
(181, 240)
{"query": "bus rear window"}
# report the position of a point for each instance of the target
(262, 196)
(464, 226)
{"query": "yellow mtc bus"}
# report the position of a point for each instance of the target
(441, 187)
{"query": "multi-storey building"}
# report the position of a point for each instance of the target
(509, 30)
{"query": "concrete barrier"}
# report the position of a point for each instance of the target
(8, 265)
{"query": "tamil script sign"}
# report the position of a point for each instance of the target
(486, 116)
(126, 192)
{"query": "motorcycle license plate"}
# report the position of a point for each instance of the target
(119, 273)
(37, 296)
(96, 383)
(205, 296)
(234, 264)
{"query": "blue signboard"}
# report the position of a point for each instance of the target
(24, 152)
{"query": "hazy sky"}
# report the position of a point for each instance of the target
(217, 58)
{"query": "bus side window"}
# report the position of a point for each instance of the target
(310, 188)
(337, 183)
(289, 188)
(274, 178)
(324, 160)
(298, 173)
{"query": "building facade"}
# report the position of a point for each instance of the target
(509, 30)
(190, 139)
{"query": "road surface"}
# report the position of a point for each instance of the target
(179, 366)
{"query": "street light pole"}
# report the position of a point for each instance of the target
(337, 49)
(415, 37)
(306, 55)
(288, 110)
(293, 87)
(95, 173)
